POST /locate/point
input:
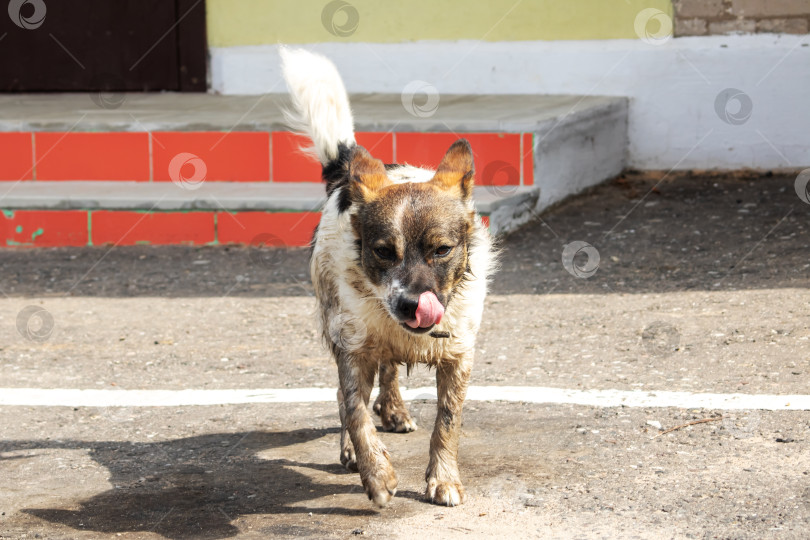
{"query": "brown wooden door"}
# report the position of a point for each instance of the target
(94, 45)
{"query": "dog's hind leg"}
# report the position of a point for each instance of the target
(347, 456)
(389, 405)
(372, 459)
(443, 481)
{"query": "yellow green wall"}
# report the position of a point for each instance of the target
(260, 22)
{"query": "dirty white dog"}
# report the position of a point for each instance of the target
(400, 264)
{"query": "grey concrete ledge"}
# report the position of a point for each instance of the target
(210, 112)
(208, 196)
(578, 141)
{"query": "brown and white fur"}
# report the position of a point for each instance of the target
(388, 234)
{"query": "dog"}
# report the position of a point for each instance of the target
(400, 264)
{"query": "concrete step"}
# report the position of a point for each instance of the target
(125, 153)
(208, 196)
(128, 213)
(372, 112)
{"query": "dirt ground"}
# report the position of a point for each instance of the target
(701, 285)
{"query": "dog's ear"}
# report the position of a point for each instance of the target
(366, 175)
(455, 172)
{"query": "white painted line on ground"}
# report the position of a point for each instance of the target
(59, 397)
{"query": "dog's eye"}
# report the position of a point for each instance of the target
(443, 251)
(384, 253)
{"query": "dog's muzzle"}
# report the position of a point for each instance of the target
(420, 314)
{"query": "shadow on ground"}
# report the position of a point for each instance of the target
(680, 233)
(195, 487)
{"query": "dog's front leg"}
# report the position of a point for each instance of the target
(356, 375)
(443, 481)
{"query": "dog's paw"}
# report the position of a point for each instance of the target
(445, 493)
(348, 458)
(397, 420)
(381, 485)
(394, 418)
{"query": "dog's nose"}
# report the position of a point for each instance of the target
(406, 307)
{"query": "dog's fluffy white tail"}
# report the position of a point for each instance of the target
(320, 103)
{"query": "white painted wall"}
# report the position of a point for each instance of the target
(673, 87)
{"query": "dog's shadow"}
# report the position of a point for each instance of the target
(195, 487)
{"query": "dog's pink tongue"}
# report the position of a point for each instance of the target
(428, 312)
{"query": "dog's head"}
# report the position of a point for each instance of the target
(414, 238)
